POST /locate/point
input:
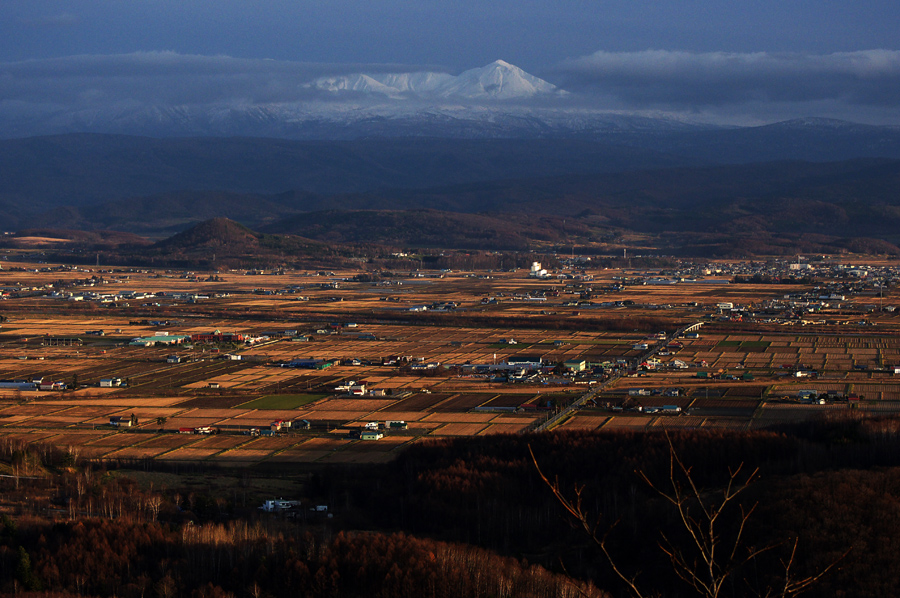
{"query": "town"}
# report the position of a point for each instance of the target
(248, 366)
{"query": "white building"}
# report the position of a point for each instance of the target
(537, 271)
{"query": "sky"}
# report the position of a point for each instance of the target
(753, 61)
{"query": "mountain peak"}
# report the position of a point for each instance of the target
(498, 80)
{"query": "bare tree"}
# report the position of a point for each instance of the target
(713, 555)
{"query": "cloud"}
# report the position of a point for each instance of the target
(63, 19)
(737, 88)
(699, 81)
(165, 78)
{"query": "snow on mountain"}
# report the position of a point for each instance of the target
(496, 81)
(490, 101)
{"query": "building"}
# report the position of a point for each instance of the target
(218, 337)
(575, 365)
(537, 271)
(533, 361)
(16, 385)
(310, 364)
(158, 339)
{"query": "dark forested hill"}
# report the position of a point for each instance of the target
(81, 169)
(523, 191)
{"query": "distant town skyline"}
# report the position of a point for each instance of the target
(753, 62)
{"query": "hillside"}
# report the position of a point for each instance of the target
(218, 234)
(167, 213)
(106, 239)
(78, 170)
(756, 208)
(778, 207)
(435, 228)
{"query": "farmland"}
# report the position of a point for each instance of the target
(329, 352)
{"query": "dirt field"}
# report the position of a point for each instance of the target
(733, 376)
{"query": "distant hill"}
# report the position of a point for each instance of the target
(85, 171)
(808, 139)
(434, 228)
(722, 209)
(41, 173)
(217, 234)
(854, 198)
(76, 239)
(222, 242)
(168, 213)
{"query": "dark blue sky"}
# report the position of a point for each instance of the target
(756, 60)
(458, 34)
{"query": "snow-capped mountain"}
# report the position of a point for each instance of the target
(397, 85)
(495, 101)
(496, 81)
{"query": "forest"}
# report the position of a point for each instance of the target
(811, 508)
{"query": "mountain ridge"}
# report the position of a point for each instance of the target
(498, 80)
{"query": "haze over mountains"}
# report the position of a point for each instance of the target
(490, 140)
(499, 100)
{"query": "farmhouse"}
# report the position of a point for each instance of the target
(122, 421)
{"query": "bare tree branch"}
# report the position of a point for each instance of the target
(717, 560)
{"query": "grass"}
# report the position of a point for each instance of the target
(282, 401)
